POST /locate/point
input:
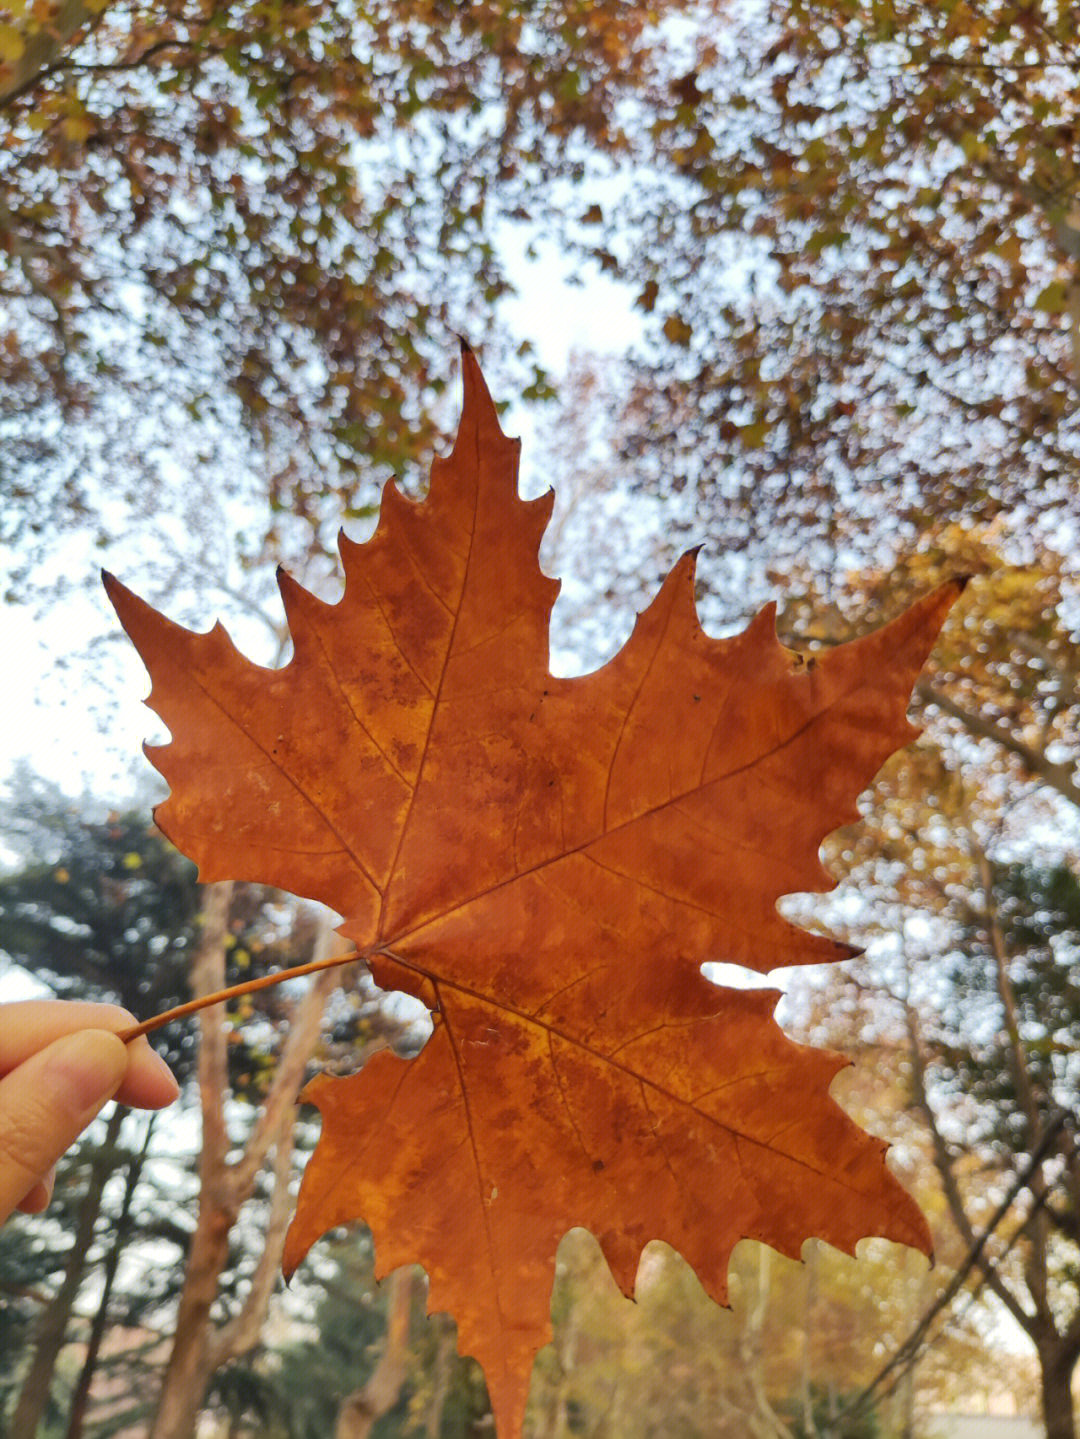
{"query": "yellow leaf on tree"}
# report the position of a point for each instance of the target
(77, 127)
(677, 330)
(12, 44)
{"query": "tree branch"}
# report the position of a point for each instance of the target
(242, 1332)
(207, 977)
(360, 1410)
(1037, 1277)
(43, 47)
(280, 1106)
(1059, 777)
(953, 1197)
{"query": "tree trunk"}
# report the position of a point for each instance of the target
(52, 1330)
(187, 1372)
(807, 1366)
(81, 1396)
(199, 1347)
(763, 1420)
(1056, 1366)
(440, 1389)
(360, 1410)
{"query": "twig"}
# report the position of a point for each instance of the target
(249, 986)
(907, 1353)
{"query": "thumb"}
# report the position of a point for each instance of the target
(48, 1101)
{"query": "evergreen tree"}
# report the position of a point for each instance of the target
(1024, 1049)
(101, 907)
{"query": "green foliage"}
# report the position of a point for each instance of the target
(31, 1257)
(1037, 913)
(100, 909)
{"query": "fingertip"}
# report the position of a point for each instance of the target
(149, 1082)
(162, 1081)
(37, 1201)
(85, 1069)
(40, 1197)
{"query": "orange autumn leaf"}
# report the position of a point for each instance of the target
(546, 863)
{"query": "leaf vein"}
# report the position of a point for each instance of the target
(348, 849)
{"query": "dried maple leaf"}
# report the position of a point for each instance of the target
(545, 863)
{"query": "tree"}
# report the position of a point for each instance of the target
(838, 374)
(1009, 1065)
(31, 1265)
(238, 239)
(973, 945)
(101, 909)
(105, 908)
(960, 875)
(1000, 695)
(229, 1172)
(100, 906)
(858, 254)
(365, 1359)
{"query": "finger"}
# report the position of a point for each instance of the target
(47, 1102)
(41, 1195)
(149, 1082)
(30, 1025)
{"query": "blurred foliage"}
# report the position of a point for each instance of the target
(294, 1389)
(239, 239)
(855, 240)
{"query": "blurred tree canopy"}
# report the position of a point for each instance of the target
(241, 235)
(859, 254)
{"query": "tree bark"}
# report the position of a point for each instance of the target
(762, 1420)
(444, 1358)
(198, 1347)
(53, 1327)
(187, 1371)
(360, 1410)
(1056, 1365)
(807, 1366)
(81, 1396)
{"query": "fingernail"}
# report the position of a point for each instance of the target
(164, 1071)
(84, 1071)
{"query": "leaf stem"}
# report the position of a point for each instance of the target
(249, 986)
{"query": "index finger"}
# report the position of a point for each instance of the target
(28, 1026)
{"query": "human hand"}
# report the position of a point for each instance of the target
(59, 1064)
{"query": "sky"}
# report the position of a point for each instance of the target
(85, 737)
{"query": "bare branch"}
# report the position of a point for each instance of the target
(1059, 777)
(242, 1332)
(954, 1199)
(44, 46)
(279, 1110)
